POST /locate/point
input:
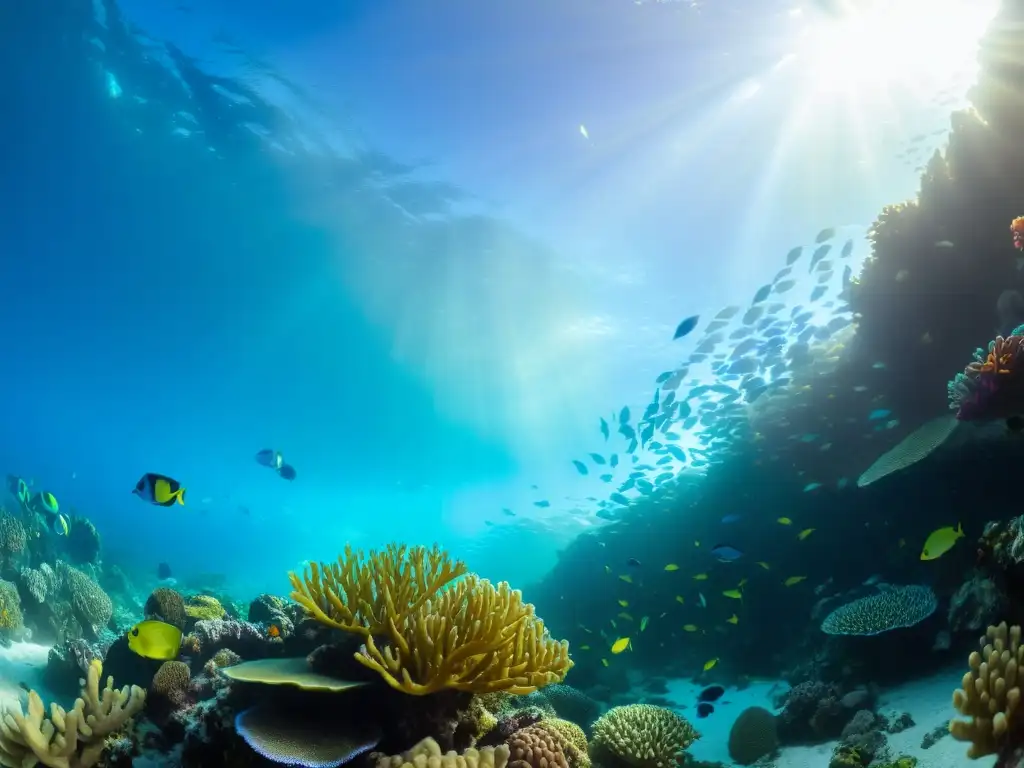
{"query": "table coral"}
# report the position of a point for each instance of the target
(72, 738)
(893, 607)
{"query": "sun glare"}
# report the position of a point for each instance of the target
(892, 42)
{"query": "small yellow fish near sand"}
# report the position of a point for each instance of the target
(710, 664)
(620, 645)
(793, 580)
(941, 541)
(155, 640)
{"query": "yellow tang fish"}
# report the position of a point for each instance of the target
(710, 664)
(620, 645)
(784, 521)
(605, 662)
(735, 594)
(734, 619)
(793, 580)
(155, 640)
(764, 565)
(624, 603)
(805, 533)
(643, 623)
(671, 567)
(941, 541)
(626, 578)
(680, 600)
(701, 577)
(690, 627)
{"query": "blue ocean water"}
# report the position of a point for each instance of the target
(373, 237)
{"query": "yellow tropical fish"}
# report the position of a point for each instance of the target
(584, 647)
(710, 664)
(624, 616)
(735, 594)
(626, 578)
(643, 623)
(784, 521)
(620, 645)
(624, 603)
(690, 627)
(701, 577)
(607, 569)
(605, 662)
(680, 600)
(764, 565)
(734, 619)
(155, 640)
(939, 542)
(793, 580)
(671, 567)
(805, 533)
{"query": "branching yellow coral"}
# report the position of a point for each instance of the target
(365, 595)
(67, 739)
(990, 695)
(475, 637)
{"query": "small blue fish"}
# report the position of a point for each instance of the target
(686, 327)
(728, 519)
(762, 294)
(793, 255)
(878, 413)
(726, 553)
(811, 487)
(580, 467)
(826, 234)
(847, 249)
(818, 292)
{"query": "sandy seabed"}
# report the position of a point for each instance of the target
(22, 663)
(928, 700)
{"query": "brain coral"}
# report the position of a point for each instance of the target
(171, 680)
(12, 534)
(642, 736)
(91, 604)
(753, 735)
(891, 608)
(537, 747)
(167, 605)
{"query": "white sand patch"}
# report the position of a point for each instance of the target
(22, 663)
(928, 700)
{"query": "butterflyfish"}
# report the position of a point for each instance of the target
(155, 640)
(159, 489)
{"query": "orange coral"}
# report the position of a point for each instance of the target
(1017, 227)
(1001, 356)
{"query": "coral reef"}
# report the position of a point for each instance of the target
(428, 753)
(165, 604)
(68, 739)
(893, 607)
(754, 735)
(992, 385)
(815, 711)
(204, 607)
(990, 694)
(539, 747)
(641, 736)
(975, 604)
(83, 544)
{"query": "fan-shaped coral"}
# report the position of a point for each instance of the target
(642, 736)
(320, 739)
(992, 385)
(990, 693)
(891, 608)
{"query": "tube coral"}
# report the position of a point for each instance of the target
(992, 385)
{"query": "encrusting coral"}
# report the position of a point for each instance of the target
(469, 636)
(642, 736)
(990, 694)
(67, 739)
(427, 754)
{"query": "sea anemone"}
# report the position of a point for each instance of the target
(992, 385)
(1017, 227)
